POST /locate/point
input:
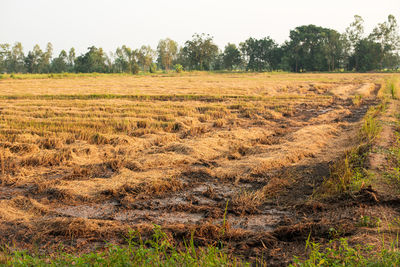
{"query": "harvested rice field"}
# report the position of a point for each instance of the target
(243, 159)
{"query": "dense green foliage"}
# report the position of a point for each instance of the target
(199, 52)
(260, 55)
(309, 48)
(313, 48)
(232, 57)
(93, 61)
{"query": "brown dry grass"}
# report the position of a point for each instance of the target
(198, 83)
(210, 138)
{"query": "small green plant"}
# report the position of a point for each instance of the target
(393, 91)
(367, 221)
(348, 173)
(224, 220)
(357, 100)
(370, 128)
(333, 233)
(394, 175)
(178, 68)
(391, 85)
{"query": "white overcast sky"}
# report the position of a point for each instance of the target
(112, 23)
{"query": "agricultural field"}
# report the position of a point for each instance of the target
(246, 160)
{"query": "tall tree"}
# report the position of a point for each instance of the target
(33, 60)
(120, 63)
(108, 62)
(355, 30)
(200, 52)
(131, 56)
(313, 48)
(182, 58)
(387, 34)
(367, 56)
(92, 61)
(146, 56)
(16, 61)
(232, 57)
(167, 50)
(218, 61)
(125, 59)
(5, 53)
(353, 35)
(60, 63)
(259, 54)
(46, 59)
(334, 49)
(71, 60)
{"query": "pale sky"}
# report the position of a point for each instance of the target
(113, 23)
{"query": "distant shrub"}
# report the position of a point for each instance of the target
(1, 76)
(178, 68)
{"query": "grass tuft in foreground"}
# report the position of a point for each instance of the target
(392, 87)
(158, 251)
(348, 173)
(340, 253)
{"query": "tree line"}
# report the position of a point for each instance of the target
(309, 48)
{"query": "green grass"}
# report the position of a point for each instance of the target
(349, 174)
(158, 251)
(357, 100)
(340, 253)
(370, 128)
(368, 221)
(393, 173)
(391, 87)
